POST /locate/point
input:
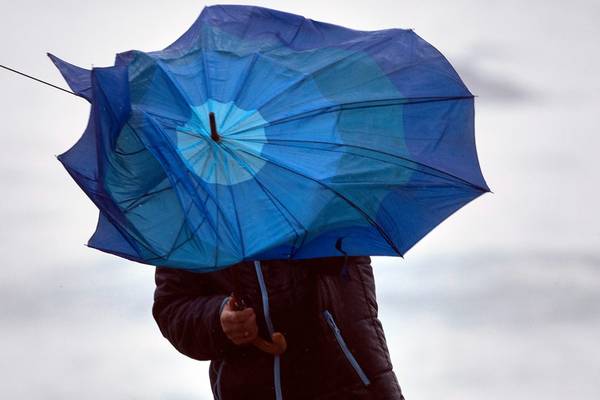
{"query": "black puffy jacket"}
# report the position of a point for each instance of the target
(325, 307)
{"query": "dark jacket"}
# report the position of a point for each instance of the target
(326, 309)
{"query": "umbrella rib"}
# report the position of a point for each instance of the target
(310, 74)
(130, 229)
(177, 122)
(174, 84)
(440, 176)
(303, 77)
(136, 200)
(442, 172)
(273, 199)
(166, 71)
(296, 82)
(237, 217)
(173, 182)
(370, 220)
(158, 127)
(213, 198)
(270, 196)
(205, 76)
(183, 223)
(135, 245)
(191, 237)
(150, 190)
(351, 106)
(131, 153)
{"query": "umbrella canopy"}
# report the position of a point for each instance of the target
(260, 134)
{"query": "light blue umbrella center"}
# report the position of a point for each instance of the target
(236, 156)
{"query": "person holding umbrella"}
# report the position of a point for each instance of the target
(325, 307)
(259, 161)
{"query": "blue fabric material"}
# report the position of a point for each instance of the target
(79, 79)
(326, 134)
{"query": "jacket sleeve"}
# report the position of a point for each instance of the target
(188, 314)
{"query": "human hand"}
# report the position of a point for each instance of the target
(239, 326)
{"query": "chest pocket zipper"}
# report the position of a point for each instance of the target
(344, 347)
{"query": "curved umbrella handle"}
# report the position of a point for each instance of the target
(278, 344)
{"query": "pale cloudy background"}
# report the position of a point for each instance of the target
(501, 301)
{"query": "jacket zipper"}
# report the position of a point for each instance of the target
(265, 303)
(338, 337)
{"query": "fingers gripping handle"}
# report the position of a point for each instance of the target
(276, 346)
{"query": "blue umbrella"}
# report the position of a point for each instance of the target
(260, 134)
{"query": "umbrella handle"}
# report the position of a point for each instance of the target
(276, 346)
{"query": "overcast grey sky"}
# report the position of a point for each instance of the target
(501, 301)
